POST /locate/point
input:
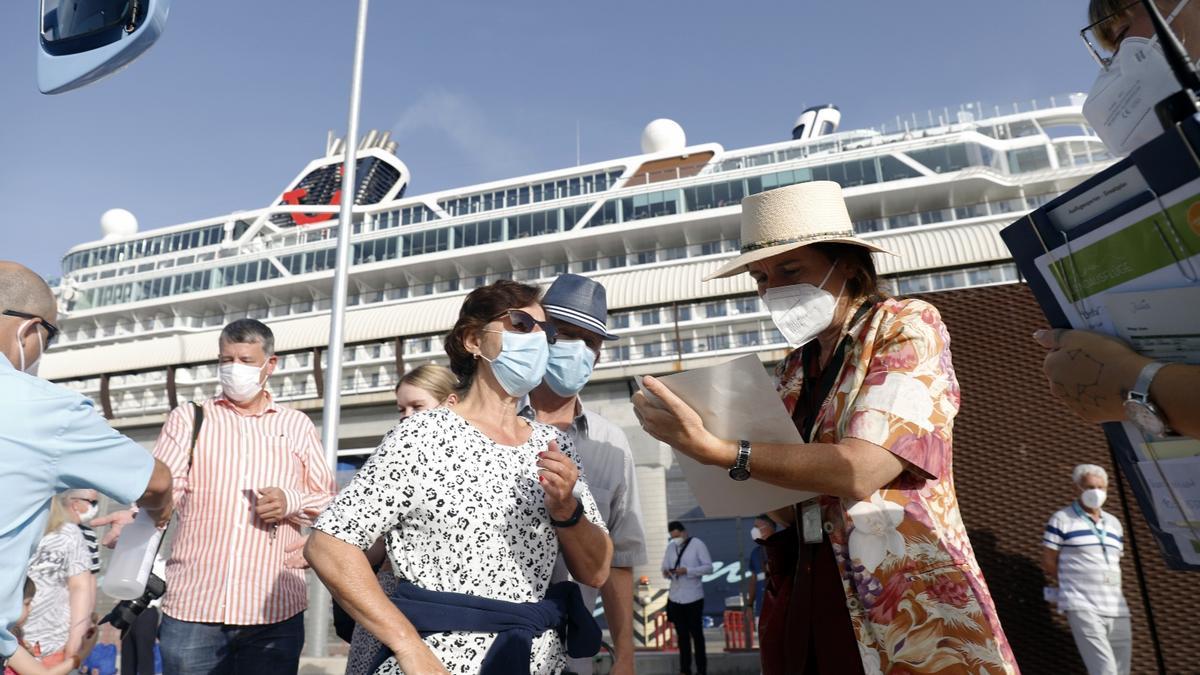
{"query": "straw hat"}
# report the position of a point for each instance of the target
(786, 218)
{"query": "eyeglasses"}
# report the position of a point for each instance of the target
(52, 331)
(523, 322)
(1098, 34)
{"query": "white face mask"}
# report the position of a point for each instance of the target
(756, 534)
(92, 511)
(678, 540)
(241, 382)
(1120, 104)
(31, 369)
(1093, 498)
(802, 311)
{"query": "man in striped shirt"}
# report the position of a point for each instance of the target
(257, 476)
(1082, 562)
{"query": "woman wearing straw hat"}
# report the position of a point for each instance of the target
(877, 574)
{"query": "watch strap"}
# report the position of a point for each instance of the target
(1141, 388)
(574, 519)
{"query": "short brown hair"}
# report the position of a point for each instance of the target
(863, 279)
(481, 307)
(435, 379)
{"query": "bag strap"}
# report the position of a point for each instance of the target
(679, 558)
(197, 420)
(830, 374)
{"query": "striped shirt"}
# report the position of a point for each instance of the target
(1088, 580)
(226, 566)
(89, 536)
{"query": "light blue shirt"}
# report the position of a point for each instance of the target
(689, 587)
(51, 439)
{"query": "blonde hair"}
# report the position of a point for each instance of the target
(58, 512)
(439, 381)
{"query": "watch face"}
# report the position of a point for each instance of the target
(1145, 417)
(739, 473)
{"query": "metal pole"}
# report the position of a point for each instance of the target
(331, 415)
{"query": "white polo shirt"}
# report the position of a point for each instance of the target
(1089, 561)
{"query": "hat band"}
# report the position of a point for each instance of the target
(570, 314)
(796, 240)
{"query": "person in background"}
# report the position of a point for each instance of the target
(685, 562)
(424, 388)
(61, 614)
(257, 476)
(1099, 377)
(578, 308)
(756, 583)
(476, 504)
(24, 663)
(885, 575)
(1081, 558)
(52, 439)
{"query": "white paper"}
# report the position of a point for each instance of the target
(1159, 324)
(737, 400)
(1180, 519)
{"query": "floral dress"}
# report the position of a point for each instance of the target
(915, 594)
(460, 513)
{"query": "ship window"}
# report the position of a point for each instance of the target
(1028, 159)
(891, 168)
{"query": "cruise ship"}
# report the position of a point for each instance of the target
(142, 309)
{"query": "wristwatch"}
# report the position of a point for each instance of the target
(1139, 410)
(741, 468)
(573, 520)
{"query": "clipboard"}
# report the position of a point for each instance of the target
(1133, 227)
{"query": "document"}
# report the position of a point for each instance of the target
(1175, 491)
(737, 400)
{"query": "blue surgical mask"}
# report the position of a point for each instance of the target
(570, 367)
(521, 364)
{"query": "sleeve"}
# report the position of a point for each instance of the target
(376, 499)
(582, 492)
(625, 516)
(93, 455)
(706, 563)
(909, 395)
(173, 446)
(668, 558)
(77, 558)
(1052, 538)
(306, 503)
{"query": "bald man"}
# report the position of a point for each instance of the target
(52, 439)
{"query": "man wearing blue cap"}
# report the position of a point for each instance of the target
(579, 310)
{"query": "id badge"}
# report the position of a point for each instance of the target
(1112, 578)
(810, 518)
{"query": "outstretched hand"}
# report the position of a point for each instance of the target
(667, 418)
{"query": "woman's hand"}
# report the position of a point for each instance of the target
(673, 422)
(558, 474)
(1090, 372)
(416, 658)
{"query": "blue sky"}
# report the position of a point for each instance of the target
(237, 96)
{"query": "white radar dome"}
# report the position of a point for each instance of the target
(118, 224)
(663, 135)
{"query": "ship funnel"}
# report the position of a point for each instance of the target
(816, 121)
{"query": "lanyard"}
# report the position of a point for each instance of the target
(1098, 531)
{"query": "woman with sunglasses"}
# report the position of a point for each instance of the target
(61, 614)
(475, 504)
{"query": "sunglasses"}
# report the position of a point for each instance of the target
(52, 331)
(523, 322)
